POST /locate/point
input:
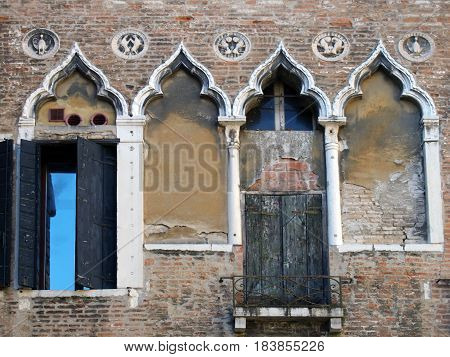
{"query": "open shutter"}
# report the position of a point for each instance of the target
(29, 213)
(96, 242)
(6, 153)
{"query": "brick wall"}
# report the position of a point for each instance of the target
(182, 294)
(393, 294)
(286, 175)
(183, 297)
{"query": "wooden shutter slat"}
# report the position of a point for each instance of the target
(6, 159)
(29, 213)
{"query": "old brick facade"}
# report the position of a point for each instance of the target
(385, 292)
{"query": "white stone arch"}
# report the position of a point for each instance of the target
(180, 58)
(280, 59)
(430, 121)
(74, 61)
(381, 58)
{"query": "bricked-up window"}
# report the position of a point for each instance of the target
(94, 249)
(281, 108)
(6, 158)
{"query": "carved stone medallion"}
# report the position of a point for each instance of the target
(330, 46)
(40, 43)
(232, 46)
(129, 44)
(416, 46)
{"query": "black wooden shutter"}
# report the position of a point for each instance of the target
(96, 242)
(29, 213)
(6, 156)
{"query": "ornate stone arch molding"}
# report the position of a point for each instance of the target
(381, 58)
(180, 58)
(280, 59)
(430, 121)
(74, 61)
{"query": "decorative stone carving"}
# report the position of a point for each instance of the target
(40, 43)
(330, 46)
(416, 46)
(129, 44)
(232, 46)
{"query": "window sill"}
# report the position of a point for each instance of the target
(286, 312)
(334, 315)
(191, 247)
(345, 248)
(74, 293)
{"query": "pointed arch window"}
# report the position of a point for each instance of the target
(282, 108)
(96, 169)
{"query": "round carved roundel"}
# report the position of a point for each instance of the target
(330, 46)
(416, 46)
(129, 44)
(232, 46)
(40, 43)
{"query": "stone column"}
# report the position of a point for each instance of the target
(433, 190)
(232, 126)
(334, 226)
(130, 217)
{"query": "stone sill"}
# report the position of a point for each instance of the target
(191, 247)
(288, 312)
(425, 247)
(242, 314)
(25, 293)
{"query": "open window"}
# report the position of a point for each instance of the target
(67, 228)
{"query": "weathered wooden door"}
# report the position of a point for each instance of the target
(286, 250)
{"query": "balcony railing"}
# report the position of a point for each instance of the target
(286, 291)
